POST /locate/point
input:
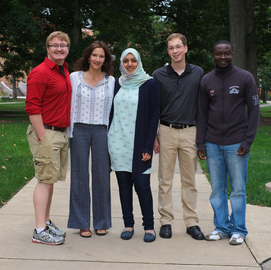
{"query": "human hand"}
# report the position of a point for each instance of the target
(242, 151)
(156, 147)
(41, 134)
(145, 156)
(202, 154)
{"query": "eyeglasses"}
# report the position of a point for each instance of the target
(62, 46)
(177, 47)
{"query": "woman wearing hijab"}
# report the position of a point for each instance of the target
(92, 95)
(134, 120)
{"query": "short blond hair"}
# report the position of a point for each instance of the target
(177, 35)
(59, 34)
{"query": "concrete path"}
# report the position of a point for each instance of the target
(111, 252)
(268, 103)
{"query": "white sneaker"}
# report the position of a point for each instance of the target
(236, 239)
(47, 237)
(214, 236)
(55, 230)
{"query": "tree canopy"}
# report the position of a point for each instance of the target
(18, 46)
(144, 25)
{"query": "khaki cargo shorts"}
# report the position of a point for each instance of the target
(50, 156)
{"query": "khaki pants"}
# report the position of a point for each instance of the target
(50, 156)
(181, 142)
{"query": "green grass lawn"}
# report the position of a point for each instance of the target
(259, 168)
(16, 166)
(14, 105)
(266, 111)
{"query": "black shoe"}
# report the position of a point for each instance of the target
(165, 231)
(195, 232)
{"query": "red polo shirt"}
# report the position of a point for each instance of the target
(49, 93)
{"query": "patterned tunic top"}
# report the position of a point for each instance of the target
(90, 105)
(122, 130)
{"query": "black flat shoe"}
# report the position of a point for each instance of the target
(165, 231)
(195, 232)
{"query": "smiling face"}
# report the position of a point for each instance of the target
(57, 50)
(222, 55)
(176, 50)
(97, 58)
(130, 63)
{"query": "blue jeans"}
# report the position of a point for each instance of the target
(143, 190)
(223, 161)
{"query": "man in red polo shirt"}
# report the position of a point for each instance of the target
(48, 106)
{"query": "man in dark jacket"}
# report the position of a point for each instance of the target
(227, 121)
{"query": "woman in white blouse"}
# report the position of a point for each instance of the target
(92, 94)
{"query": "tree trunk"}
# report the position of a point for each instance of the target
(181, 25)
(238, 31)
(251, 57)
(77, 25)
(14, 96)
(14, 86)
(181, 7)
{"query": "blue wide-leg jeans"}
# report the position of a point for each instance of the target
(85, 137)
(143, 190)
(223, 162)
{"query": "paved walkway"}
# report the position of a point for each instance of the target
(267, 104)
(110, 252)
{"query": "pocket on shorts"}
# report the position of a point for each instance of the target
(44, 168)
(29, 129)
(32, 133)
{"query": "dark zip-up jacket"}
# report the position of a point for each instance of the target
(228, 108)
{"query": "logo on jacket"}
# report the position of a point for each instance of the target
(234, 90)
(256, 100)
(212, 92)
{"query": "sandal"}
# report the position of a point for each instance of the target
(86, 233)
(100, 232)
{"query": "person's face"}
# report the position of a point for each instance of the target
(176, 50)
(222, 55)
(130, 63)
(97, 58)
(57, 50)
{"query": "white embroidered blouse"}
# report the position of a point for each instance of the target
(90, 105)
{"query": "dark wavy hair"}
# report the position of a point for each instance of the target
(83, 62)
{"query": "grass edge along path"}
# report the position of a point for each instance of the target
(16, 165)
(259, 168)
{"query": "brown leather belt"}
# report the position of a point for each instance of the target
(54, 128)
(177, 126)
